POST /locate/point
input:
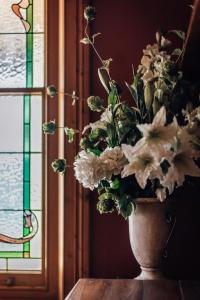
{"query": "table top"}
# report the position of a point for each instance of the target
(126, 289)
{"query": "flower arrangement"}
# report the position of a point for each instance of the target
(148, 148)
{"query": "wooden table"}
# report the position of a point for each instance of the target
(126, 289)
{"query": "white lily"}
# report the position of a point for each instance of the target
(181, 164)
(156, 136)
(144, 166)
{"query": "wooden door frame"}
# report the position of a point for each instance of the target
(77, 69)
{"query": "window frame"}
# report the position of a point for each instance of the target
(61, 272)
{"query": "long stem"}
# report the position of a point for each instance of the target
(95, 50)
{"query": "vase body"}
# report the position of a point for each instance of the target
(148, 233)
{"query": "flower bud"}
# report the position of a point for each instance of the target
(106, 206)
(97, 133)
(49, 127)
(95, 103)
(59, 165)
(89, 13)
(51, 91)
(148, 95)
(85, 143)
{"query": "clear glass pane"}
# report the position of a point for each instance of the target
(3, 264)
(38, 15)
(11, 182)
(36, 181)
(11, 118)
(36, 123)
(11, 224)
(38, 60)
(25, 264)
(12, 61)
(21, 60)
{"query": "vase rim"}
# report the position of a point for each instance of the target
(147, 200)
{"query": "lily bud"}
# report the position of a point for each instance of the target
(148, 95)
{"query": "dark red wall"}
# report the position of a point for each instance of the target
(127, 27)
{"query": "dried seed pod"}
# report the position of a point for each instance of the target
(104, 78)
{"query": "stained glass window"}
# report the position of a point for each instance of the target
(21, 150)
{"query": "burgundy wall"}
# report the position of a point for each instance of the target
(127, 27)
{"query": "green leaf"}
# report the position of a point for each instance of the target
(97, 152)
(179, 33)
(115, 185)
(70, 133)
(112, 97)
(104, 184)
(177, 52)
(126, 206)
(85, 41)
(106, 195)
(112, 138)
(133, 92)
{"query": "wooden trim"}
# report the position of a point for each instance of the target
(76, 205)
(44, 285)
(61, 108)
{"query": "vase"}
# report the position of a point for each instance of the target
(149, 233)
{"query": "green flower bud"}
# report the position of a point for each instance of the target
(49, 127)
(59, 165)
(97, 133)
(95, 103)
(106, 206)
(89, 13)
(51, 91)
(85, 143)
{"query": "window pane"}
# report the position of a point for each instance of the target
(11, 118)
(22, 44)
(21, 66)
(21, 179)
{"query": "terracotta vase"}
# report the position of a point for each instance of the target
(149, 232)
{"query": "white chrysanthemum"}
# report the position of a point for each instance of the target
(114, 161)
(89, 170)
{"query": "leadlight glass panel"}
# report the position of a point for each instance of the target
(22, 43)
(21, 151)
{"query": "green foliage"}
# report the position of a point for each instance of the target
(125, 206)
(49, 127)
(70, 132)
(179, 33)
(177, 52)
(59, 165)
